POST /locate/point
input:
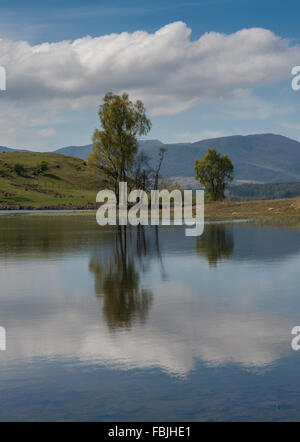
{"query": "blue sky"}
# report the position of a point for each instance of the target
(39, 21)
(250, 94)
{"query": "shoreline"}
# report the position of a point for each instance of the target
(277, 211)
(27, 208)
(288, 208)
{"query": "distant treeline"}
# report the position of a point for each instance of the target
(263, 191)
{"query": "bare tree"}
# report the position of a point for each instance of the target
(161, 155)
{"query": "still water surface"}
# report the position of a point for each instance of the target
(147, 324)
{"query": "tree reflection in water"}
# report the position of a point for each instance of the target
(216, 243)
(117, 276)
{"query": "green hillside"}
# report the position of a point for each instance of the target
(59, 182)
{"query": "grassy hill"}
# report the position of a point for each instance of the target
(67, 182)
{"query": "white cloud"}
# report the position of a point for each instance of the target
(166, 69)
(46, 133)
(170, 339)
(255, 108)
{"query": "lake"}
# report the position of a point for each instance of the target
(146, 324)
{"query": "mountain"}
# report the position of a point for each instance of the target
(264, 158)
(84, 151)
(8, 149)
(81, 152)
(257, 158)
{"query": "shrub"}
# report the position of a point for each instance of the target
(19, 169)
(42, 167)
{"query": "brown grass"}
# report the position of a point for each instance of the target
(288, 209)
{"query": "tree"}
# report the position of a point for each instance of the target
(115, 146)
(215, 173)
(141, 172)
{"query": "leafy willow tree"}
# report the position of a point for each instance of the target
(214, 172)
(116, 145)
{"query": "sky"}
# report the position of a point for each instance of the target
(204, 69)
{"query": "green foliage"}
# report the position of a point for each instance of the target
(19, 169)
(215, 173)
(116, 145)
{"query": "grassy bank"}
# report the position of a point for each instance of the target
(280, 211)
(66, 183)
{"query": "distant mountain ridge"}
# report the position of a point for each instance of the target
(81, 152)
(264, 158)
(9, 149)
(84, 151)
(259, 158)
